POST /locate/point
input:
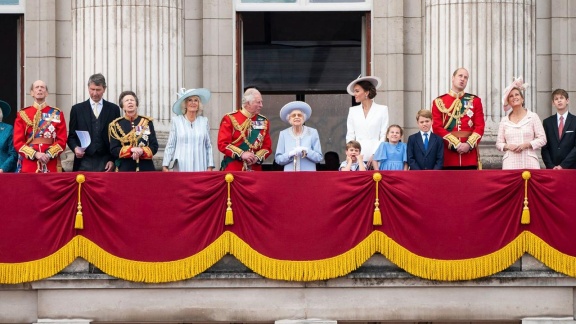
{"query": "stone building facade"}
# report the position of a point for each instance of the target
(156, 47)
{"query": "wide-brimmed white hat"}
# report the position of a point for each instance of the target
(372, 79)
(203, 94)
(517, 83)
(295, 105)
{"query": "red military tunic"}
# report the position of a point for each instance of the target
(39, 128)
(458, 118)
(240, 132)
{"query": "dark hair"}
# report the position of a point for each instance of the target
(368, 86)
(98, 79)
(560, 92)
(127, 93)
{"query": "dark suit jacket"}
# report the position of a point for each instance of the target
(560, 151)
(81, 119)
(420, 159)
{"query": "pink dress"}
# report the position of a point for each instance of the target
(529, 129)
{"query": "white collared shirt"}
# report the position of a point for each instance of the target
(423, 137)
(98, 107)
(558, 117)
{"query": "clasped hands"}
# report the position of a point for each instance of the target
(517, 148)
(249, 157)
(136, 152)
(299, 151)
(42, 157)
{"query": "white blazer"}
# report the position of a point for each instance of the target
(369, 130)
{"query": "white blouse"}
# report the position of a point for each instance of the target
(369, 130)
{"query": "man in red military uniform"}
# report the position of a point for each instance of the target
(244, 135)
(39, 133)
(458, 118)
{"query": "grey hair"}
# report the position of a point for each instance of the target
(183, 105)
(249, 95)
(98, 79)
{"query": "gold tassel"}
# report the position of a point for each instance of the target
(525, 211)
(79, 222)
(377, 215)
(229, 215)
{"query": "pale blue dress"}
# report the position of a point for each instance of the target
(288, 141)
(190, 144)
(390, 156)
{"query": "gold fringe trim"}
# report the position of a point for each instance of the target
(14, 273)
(548, 255)
(451, 270)
(340, 265)
(303, 270)
(153, 272)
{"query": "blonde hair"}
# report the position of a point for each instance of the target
(183, 105)
(390, 127)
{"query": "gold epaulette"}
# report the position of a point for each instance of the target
(146, 117)
(263, 117)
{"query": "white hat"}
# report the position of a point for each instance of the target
(295, 105)
(203, 94)
(517, 83)
(372, 79)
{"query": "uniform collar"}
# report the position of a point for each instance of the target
(246, 113)
(456, 94)
(39, 106)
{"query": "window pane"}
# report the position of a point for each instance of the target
(302, 51)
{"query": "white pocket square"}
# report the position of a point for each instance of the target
(569, 131)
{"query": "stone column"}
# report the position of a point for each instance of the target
(137, 45)
(494, 40)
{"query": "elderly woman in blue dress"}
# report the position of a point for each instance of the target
(189, 147)
(298, 146)
(8, 155)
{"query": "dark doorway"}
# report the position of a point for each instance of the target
(9, 63)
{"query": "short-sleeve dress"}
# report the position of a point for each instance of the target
(391, 156)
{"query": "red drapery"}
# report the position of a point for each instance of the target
(159, 227)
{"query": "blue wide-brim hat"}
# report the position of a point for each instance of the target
(295, 105)
(5, 108)
(203, 94)
(372, 79)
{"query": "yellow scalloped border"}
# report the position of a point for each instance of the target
(340, 265)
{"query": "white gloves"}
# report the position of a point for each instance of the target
(298, 151)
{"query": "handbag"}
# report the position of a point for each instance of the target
(173, 165)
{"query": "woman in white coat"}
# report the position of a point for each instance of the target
(367, 122)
